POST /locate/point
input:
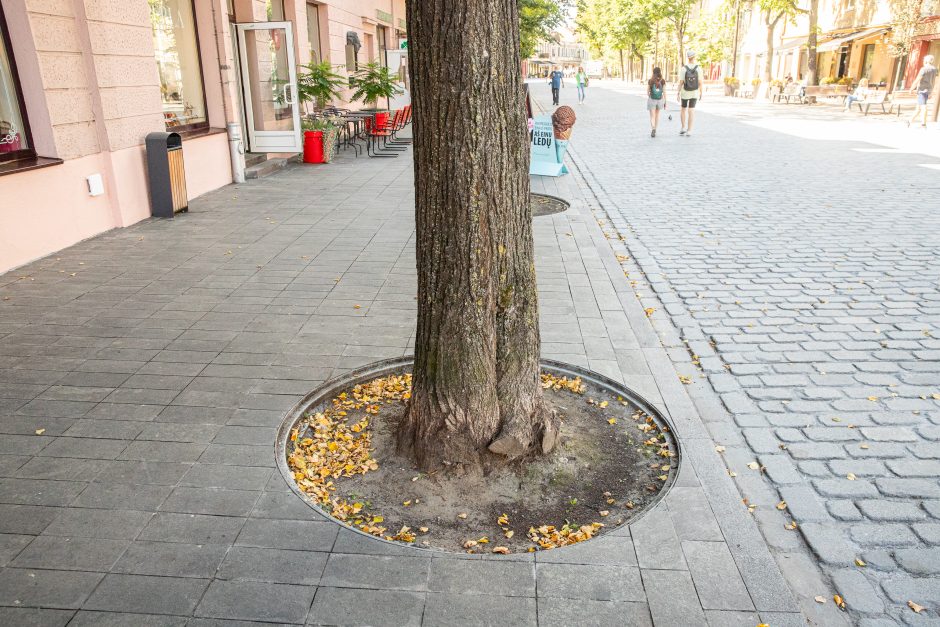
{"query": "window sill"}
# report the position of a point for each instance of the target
(199, 132)
(24, 165)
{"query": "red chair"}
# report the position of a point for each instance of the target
(381, 131)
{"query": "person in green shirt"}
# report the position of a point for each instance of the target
(581, 79)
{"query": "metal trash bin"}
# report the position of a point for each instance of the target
(166, 174)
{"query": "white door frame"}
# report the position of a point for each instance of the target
(261, 140)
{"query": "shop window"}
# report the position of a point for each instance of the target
(14, 132)
(313, 31)
(275, 10)
(868, 56)
(352, 52)
(380, 36)
(178, 63)
(370, 47)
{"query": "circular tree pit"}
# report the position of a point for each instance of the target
(616, 458)
(546, 205)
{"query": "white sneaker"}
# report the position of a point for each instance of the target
(682, 132)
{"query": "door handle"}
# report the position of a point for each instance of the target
(288, 94)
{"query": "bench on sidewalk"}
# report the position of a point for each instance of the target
(827, 91)
(879, 98)
(793, 91)
(904, 99)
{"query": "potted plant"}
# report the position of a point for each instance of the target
(319, 84)
(372, 82)
(755, 85)
(319, 139)
(731, 85)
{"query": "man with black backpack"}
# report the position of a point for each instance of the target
(690, 91)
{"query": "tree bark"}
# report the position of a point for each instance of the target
(476, 399)
(623, 76)
(812, 74)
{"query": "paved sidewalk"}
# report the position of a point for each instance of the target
(803, 275)
(158, 361)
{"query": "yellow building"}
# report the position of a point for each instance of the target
(853, 43)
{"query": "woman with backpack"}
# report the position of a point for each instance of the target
(656, 100)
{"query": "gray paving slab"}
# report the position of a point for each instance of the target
(161, 388)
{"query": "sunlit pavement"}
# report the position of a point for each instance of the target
(791, 256)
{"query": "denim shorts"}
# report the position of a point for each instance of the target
(923, 96)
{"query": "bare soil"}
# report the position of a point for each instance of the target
(610, 464)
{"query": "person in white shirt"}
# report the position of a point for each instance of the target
(691, 79)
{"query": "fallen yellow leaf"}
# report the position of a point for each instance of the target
(611, 421)
(839, 601)
(462, 515)
(851, 476)
(40, 431)
(720, 449)
(423, 529)
(782, 505)
(917, 608)
(859, 562)
(753, 466)
(501, 550)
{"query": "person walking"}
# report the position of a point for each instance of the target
(582, 80)
(923, 85)
(691, 78)
(557, 79)
(656, 99)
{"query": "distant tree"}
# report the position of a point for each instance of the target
(537, 20)
(713, 34)
(775, 12)
(676, 13)
(905, 16)
(614, 26)
(812, 72)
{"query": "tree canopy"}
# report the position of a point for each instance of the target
(537, 20)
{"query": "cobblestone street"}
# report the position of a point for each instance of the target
(798, 281)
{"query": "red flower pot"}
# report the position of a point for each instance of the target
(313, 146)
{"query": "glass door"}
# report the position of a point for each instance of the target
(269, 81)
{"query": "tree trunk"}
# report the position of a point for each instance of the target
(769, 61)
(623, 76)
(476, 399)
(812, 75)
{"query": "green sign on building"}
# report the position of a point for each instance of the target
(383, 16)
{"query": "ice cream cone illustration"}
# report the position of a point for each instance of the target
(562, 121)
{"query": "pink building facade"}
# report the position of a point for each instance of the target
(83, 82)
